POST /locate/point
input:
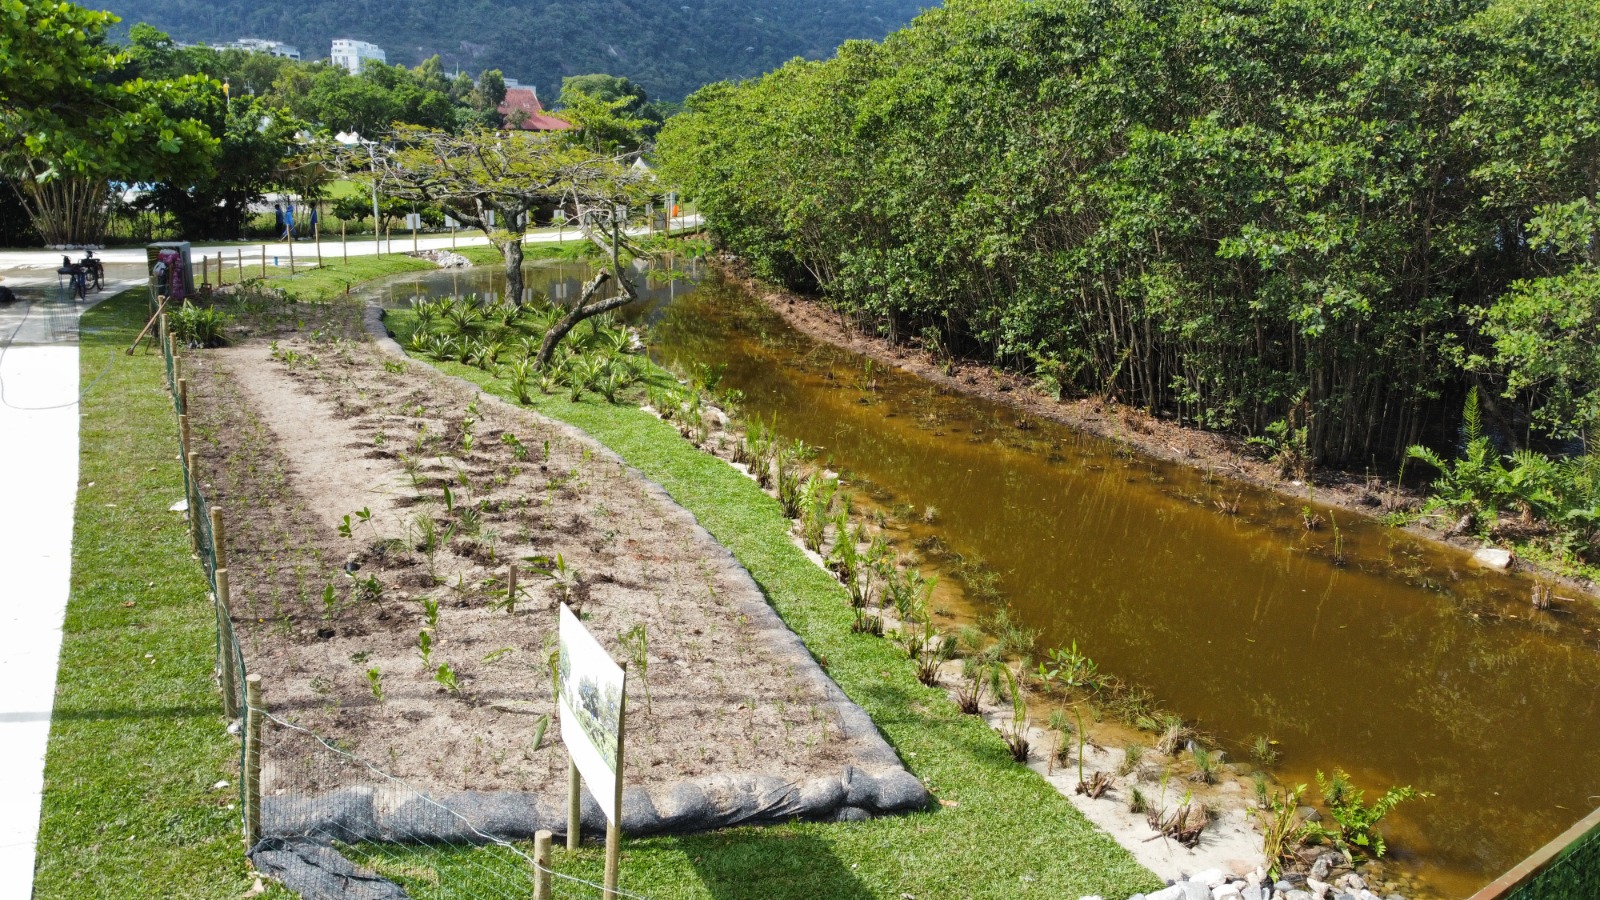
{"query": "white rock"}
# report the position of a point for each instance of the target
(1195, 890)
(1226, 892)
(180, 506)
(1170, 892)
(1209, 877)
(1493, 558)
(1318, 889)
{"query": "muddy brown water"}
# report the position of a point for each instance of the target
(1402, 664)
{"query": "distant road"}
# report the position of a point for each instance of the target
(304, 249)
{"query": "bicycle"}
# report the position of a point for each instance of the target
(77, 278)
(95, 271)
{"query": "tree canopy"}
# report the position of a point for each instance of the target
(1335, 215)
(71, 120)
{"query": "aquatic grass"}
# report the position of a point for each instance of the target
(947, 851)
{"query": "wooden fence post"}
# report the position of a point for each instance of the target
(252, 760)
(291, 254)
(263, 260)
(227, 663)
(238, 253)
(541, 864)
(574, 806)
(344, 241)
(194, 500)
(183, 395)
(316, 235)
(614, 823)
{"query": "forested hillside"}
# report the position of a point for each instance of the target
(669, 46)
(1317, 222)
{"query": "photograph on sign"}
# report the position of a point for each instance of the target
(591, 705)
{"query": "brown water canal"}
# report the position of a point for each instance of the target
(1402, 665)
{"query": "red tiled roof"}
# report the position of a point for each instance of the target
(533, 117)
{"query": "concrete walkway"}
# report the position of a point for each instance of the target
(39, 464)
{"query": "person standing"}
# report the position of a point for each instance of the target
(288, 222)
(277, 219)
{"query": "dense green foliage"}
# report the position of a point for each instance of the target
(672, 47)
(1327, 214)
(73, 118)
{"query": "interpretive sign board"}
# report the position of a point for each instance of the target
(593, 692)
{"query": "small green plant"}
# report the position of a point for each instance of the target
(330, 602)
(565, 578)
(1207, 763)
(1136, 801)
(517, 449)
(1358, 822)
(430, 612)
(1069, 668)
(198, 326)
(447, 677)
(1283, 830)
(636, 643)
(1264, 751)
(375, 682)
(425, 648)
(1131, 757)
(1016, 732)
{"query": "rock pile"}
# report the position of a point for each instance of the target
(1214, 884)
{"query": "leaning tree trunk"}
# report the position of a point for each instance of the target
(584, 309)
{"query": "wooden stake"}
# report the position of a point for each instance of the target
(263, 260)
(225, 658)
(511, 589)
(574, 806)
(413, 239)
(219, 539)
(252, 760)
(614, 824)
(316, 235)
(194, 500)
(344, 241)
(183, 394)
(291, 254)
(238, 253)
(541, 864)
(205, 271)
(183, 434)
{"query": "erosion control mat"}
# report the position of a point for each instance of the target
(373, 508)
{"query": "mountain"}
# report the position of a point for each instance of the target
(670, 47)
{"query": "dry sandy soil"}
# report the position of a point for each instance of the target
(317, 425)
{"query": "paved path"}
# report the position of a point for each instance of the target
(45, 262)
(39, 468)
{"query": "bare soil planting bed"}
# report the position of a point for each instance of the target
(304, 423)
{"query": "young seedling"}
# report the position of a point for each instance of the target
(447, 677)
(425, 647)
(636, 641)
(430, 612)
(375, 682)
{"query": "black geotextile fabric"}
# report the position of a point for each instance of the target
(316, 871)
(1576, 873)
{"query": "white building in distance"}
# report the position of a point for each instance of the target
(256, 45)
(352, 55)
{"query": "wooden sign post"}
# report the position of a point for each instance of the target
(593, 701)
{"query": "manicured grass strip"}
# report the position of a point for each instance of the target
(1000, 831)
(335, 278)
(137, 739)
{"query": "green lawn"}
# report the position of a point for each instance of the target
(137, 739)
(1000, 830)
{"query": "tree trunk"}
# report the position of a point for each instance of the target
(585, 309)
(511, 250)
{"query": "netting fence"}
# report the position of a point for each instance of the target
(328, 823)
(1566, 868)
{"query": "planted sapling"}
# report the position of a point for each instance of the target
(636, 641)
(447, 677)
(375, 682)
